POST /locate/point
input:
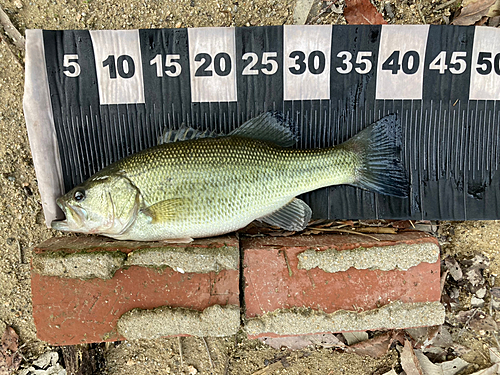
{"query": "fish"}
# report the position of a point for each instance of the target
(200, 184)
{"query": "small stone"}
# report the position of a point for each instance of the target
(18, 4)
(192, 370)
(45, 359)
(474, 276)
(178, 25)
(480, 293)
(477, 302)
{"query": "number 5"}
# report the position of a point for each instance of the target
(68, 64)
(363, 58)
(458, 58)
(271, 66)
(173, 68)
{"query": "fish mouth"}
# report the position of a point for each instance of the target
(61, 225)
(75, 217)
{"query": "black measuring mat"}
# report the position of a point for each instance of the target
(112, 93)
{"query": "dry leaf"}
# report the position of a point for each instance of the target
(454, 267)
(494, 10)
(362, 12)
(494, 355)
(423, 336)
(442, 339)
(9, 357)
(377, 346)
(445, 368)
(401, 224)
(493, 370)
(473, 11)
(409, 361)
(327, 340)
(436, 354)
(477, 320)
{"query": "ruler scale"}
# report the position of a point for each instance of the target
(112, 93)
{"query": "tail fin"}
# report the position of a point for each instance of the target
(379, 146)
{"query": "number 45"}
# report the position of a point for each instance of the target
(457, 58)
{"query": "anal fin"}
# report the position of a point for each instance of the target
(293, 216)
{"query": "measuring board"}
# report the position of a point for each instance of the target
(93, 97)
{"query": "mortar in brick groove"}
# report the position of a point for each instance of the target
(103, 264)
(79, 265)
(214, 321)
(302, 321)
(386, 258)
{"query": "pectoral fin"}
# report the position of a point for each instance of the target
(293, 216)
(164, 211)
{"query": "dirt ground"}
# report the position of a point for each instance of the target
(22, 225)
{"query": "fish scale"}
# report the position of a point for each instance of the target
(210, 186)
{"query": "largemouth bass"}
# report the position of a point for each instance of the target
(211, 185)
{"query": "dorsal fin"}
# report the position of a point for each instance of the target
(185, 133)
(271, 127)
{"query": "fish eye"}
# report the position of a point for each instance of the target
(79, 195)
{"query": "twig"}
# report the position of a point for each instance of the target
(467, 322)
(208, 352)
(18, 352)
(419, 7)
(378, 230)
(16, 57)
(447, 4)
(290, 273)
(443, 280)
(344, 231)
(269, 369)
(180, 351)
(496, 340)
(11, 31)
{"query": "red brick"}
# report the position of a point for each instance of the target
(71, 311)
(271, 284)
